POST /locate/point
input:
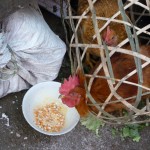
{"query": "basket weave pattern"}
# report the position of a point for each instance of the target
(78, 50)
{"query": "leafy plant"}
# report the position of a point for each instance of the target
(92, 123)
(130, 131)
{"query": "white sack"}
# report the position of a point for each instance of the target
(37, 50)
(4, 52)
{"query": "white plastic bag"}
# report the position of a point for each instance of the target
(36, 50)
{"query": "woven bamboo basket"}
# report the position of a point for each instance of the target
(77, 50)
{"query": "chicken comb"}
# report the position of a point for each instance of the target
(69, 84)
(108, 31)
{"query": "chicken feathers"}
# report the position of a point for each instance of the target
(103, 8)
(122, 64)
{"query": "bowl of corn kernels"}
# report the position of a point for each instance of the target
(45, 112)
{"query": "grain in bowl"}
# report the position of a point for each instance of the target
(38, 97)
(50, 117)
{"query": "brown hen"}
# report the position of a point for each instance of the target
(104, 8)
(122, 64)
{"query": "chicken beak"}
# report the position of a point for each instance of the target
(60, 96)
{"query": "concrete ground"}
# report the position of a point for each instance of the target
(20, 136)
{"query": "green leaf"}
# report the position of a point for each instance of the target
(134, 133)
(147, 124)
(92, 123)
(137, 139)
(114, 131)
(126, 132)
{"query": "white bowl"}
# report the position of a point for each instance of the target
(41, 94)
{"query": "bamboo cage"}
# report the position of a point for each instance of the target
(136, 34)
